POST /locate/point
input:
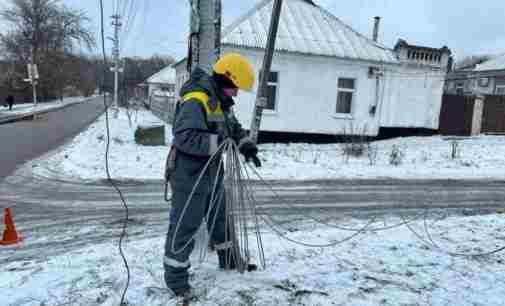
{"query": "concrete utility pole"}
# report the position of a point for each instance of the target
(261, 99)
(115, 51)
(33, 77)
(205, 34)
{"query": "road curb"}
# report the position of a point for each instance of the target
(30, 115)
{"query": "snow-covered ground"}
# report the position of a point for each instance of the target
(26, 108)
(376, 267)
(84, 157)
(390, 267)
(423, 157)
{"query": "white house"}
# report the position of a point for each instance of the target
(161, 93)
(162, 81)
(327, 78)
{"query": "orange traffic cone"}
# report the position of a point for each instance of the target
(10, 235)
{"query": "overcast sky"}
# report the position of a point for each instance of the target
(466, 26)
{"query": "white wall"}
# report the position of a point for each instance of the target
(181, 76)
(307, 95)
(412, 98)
(409, 96)
(153, 88)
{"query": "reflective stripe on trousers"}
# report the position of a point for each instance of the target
(223, 246)
(176, 264)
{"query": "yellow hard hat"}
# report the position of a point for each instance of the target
(238, 69)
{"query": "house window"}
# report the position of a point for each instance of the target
(168, 87)
(483, 82)
(345, 94)
(500, 87)
(460, 88)
(272, 87)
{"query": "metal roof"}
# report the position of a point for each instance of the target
(165, 76)
(496, 63)
(305, 28)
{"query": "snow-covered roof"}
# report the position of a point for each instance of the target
(165, 76)
(305, 28)
(496, 63)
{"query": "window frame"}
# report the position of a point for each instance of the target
(276, 85)
(459, 86)
(353, 97)
(499, 88)
(483, 82)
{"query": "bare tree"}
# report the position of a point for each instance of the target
(47, 33)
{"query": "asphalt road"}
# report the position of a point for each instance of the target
(57, 216)
(24, 140)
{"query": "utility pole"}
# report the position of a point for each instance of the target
(33, 77)
(261, 99)
(116, 22)
(205, 34)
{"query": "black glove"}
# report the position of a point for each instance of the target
(250, 151)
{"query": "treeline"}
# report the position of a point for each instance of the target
(60, 41)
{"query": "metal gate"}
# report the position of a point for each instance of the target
(493, 121)
(456, 115)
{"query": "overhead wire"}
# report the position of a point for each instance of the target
(437, 246)
(237, 180)
(125, 6)
(118, 5)
(188, 201)
(227, 185)
(141, 33)
(319, 221)
(107, 169)
(405, 222)
(429, 241)
(129, 23)
(126, 15)
(274, 226)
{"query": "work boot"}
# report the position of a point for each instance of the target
(183, 296)
(227, 261)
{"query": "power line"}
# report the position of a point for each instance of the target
(116, 4)
(130, 22)
(125, 6)
(109, 178)
(143, 27)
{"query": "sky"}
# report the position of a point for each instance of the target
(467, 27)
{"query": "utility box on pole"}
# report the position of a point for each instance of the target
(33, 77)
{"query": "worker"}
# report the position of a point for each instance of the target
(203, 120)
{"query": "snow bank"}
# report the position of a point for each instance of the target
(422, 157)
(84, 156)
(24, 108)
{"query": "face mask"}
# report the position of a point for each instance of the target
(230, 92)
